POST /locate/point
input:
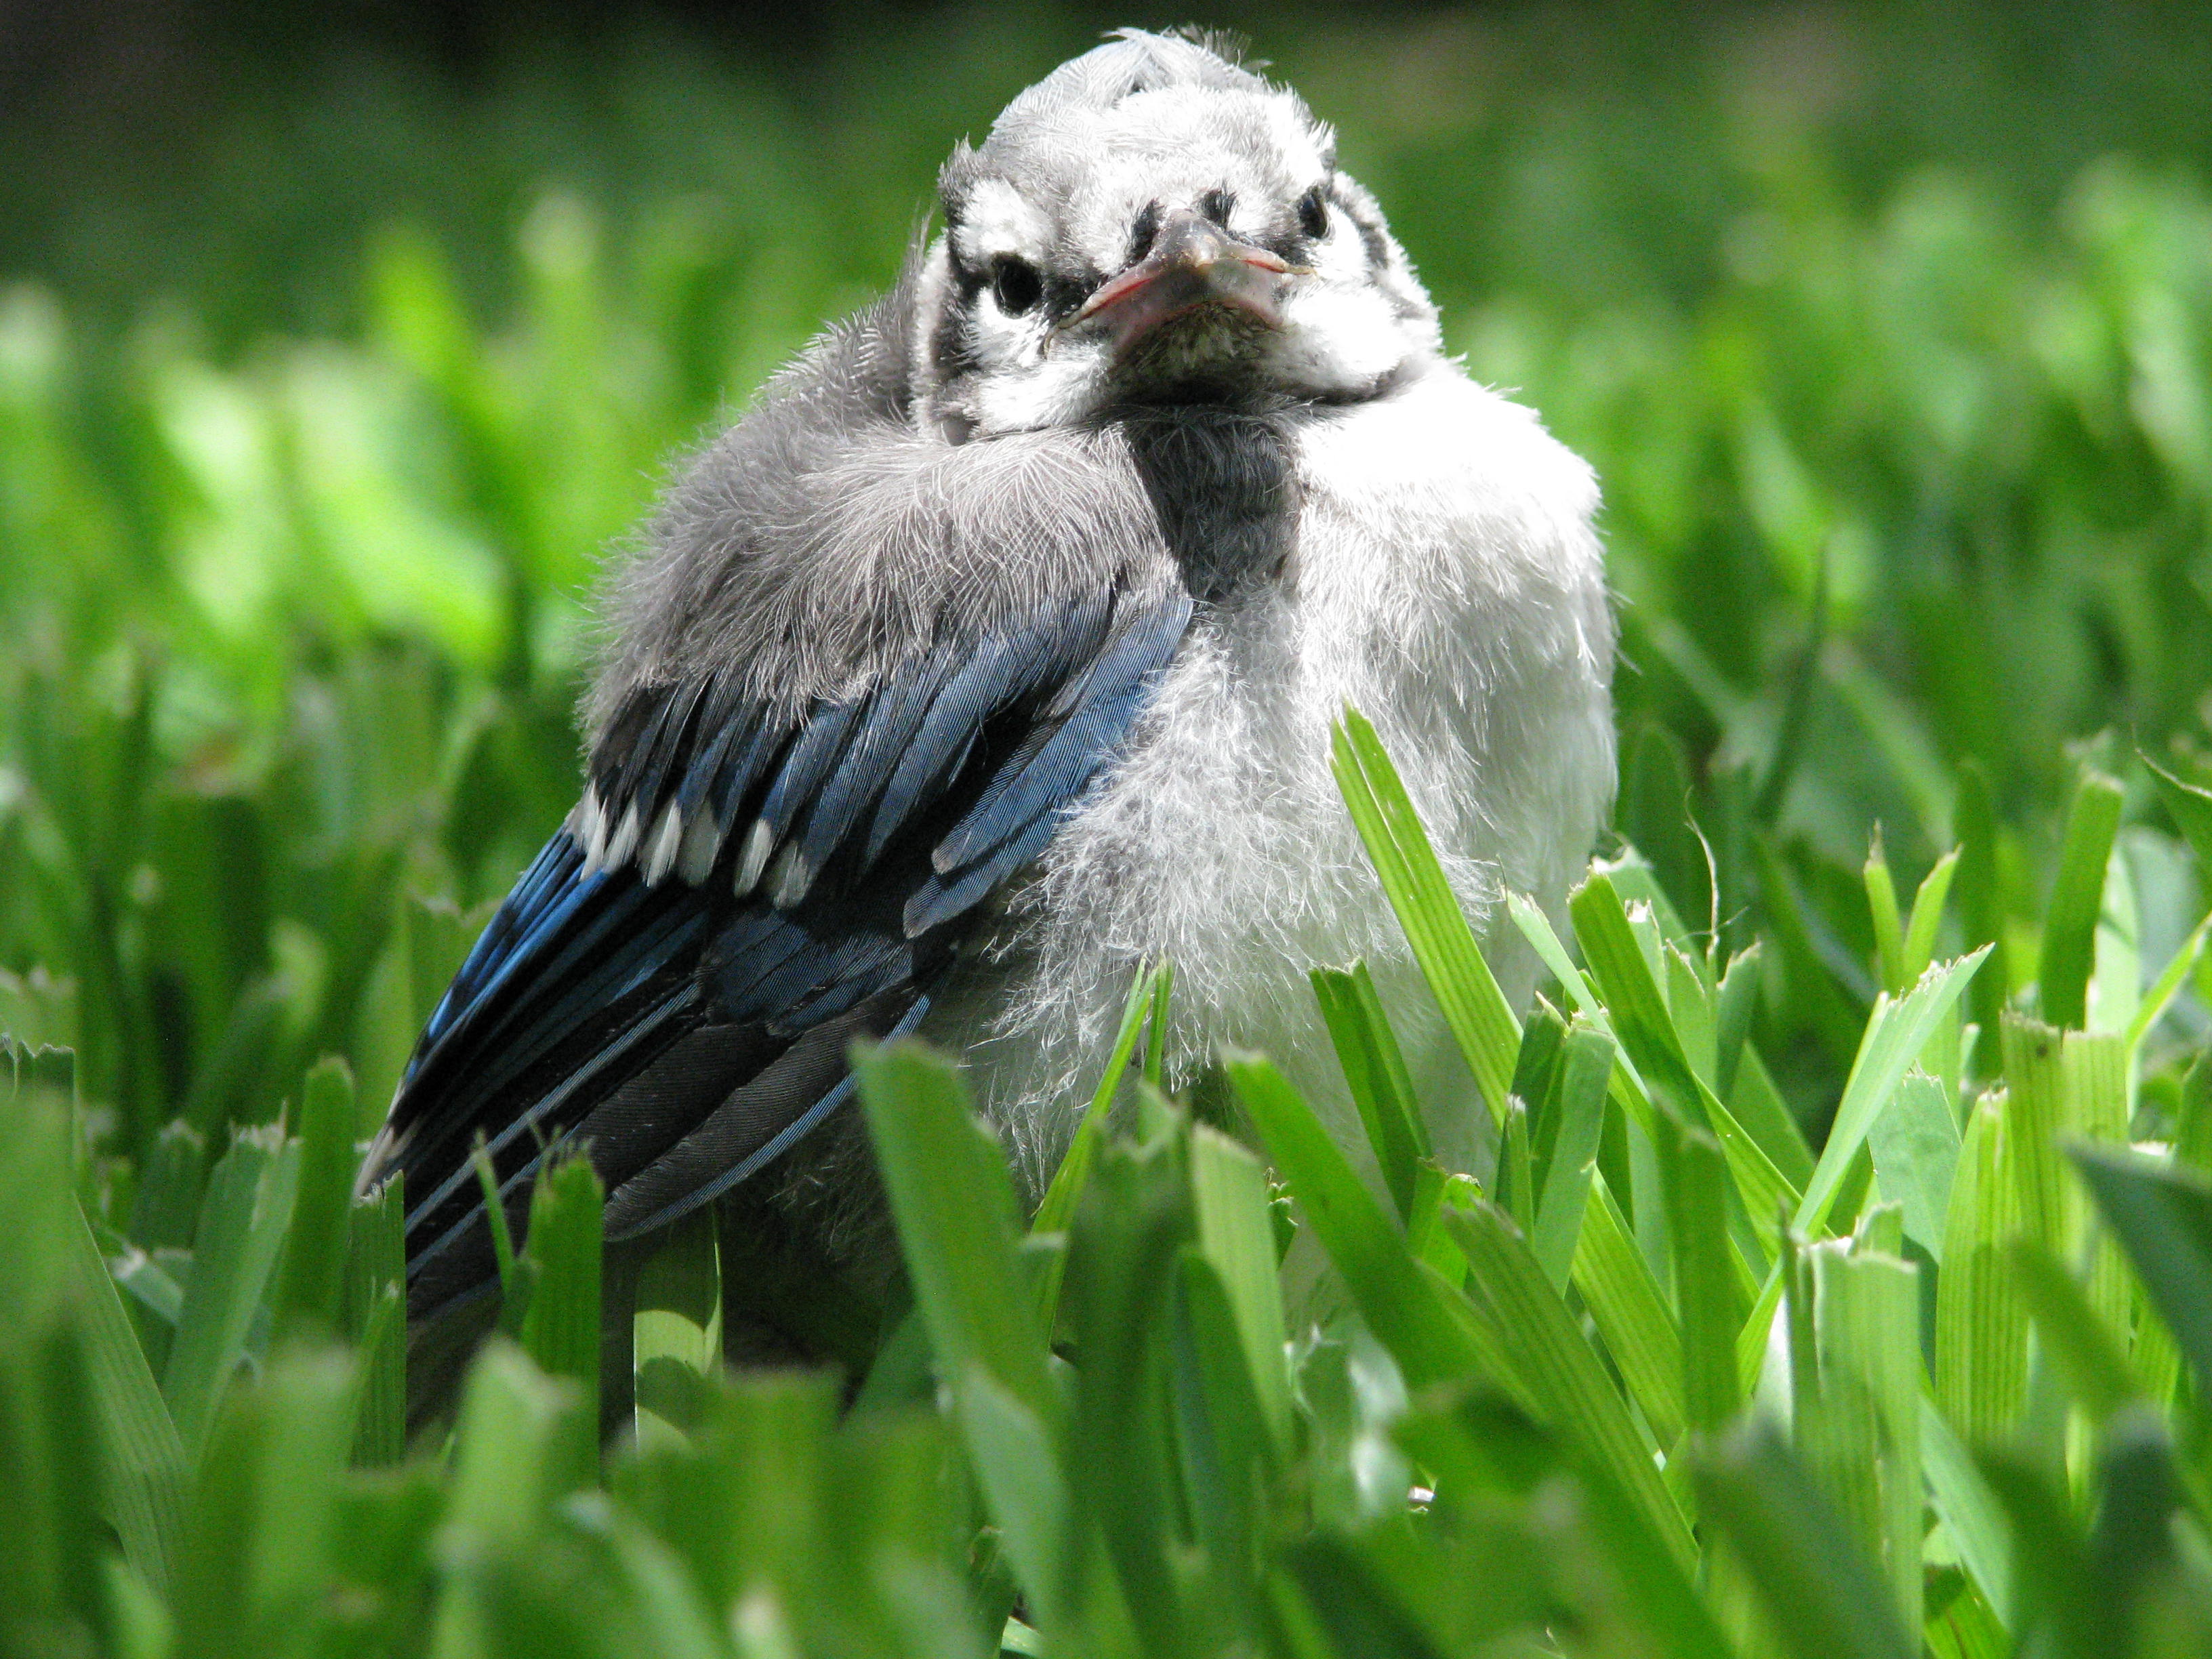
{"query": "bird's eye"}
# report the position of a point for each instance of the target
(1312, 214)
(1016, 286)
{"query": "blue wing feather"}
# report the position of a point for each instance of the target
(678, 1030)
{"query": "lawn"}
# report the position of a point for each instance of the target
(1889, 331)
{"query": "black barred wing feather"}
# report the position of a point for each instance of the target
(674, 982)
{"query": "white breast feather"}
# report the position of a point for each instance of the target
(1446, 581)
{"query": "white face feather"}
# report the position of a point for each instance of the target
(1058, 202)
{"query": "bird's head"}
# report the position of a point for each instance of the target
(1153, 224)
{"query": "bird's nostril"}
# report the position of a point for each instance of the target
(1144, 232)
(1215, 204)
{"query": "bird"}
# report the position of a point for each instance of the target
(993, 652)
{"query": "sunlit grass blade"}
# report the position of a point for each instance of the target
(2069, 928)
(676, 1330)
(1414, 879)
(1058, 1206)
(2095, 1068)
(1633, 1002)
(1888, 921)
(1626, 1086)
(1155, 1028)
(1915, 1152)
(1893, 1041)
(1981, 1324)
(1928, 902)
(1536, 927)
(2042, 1110)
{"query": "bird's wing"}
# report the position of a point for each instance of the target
(674, 982)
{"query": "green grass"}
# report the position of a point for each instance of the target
(1903, 405)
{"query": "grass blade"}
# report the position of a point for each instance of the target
(560, 1327)
(1919, 949)
(2091, 1355)
(1970, 1510)
(311, 1283)
(1579, 1401)
(144, 1462)
(1632, 1000)
(1058, 1207)
(1822, 1597)
(954, 1205)
(1857, 1408)
(2070, 929)
(2190, 807)
(1695, 1178)
(1228, 1191)
(1586, 1065)
(2162, 1215)
(1630, 1314)
(1915, 1152)
(1375, 1072)
(1894, 1036)
(1401, 1306)
(1768, 1195)
(676, 1330)
(1981, 1326)
(952, 1201)
(376, 1318)
(242, 1222)
(1888, 922)
(1414, 879)
(2168, 986)
(1736, 999)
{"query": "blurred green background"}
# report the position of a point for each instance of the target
(337, 346)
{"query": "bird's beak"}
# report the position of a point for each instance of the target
(1193, 263)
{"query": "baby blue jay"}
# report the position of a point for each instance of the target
(995, 651)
